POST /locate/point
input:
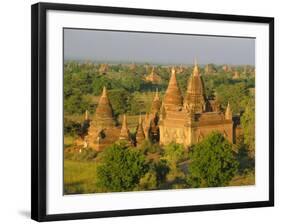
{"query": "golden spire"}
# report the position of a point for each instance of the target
(196, 68)
(104, 92)
(156, 97)
(124, 134)
(173, 97)
(140, 133)
(86, 115)
(124, 123)
(173, 70)
(104, 115)
(140, 119)
(228, 112)
(156, 104)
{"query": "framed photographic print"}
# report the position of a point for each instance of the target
(139, 111)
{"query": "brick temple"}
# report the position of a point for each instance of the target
(182, 118)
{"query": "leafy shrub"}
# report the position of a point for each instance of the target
(212, 162)
(121, 168)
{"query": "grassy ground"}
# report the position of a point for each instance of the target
(79, 177)
(241, 180)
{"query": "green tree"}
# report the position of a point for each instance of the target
(121, 168)
(174, 154)
(119, 99)
(248, 124)
(75, 103)
(212, 162)
(148, 181)
(234, 94)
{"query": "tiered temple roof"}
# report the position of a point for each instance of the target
(173, 98)
(170, 121)
(124, 134)
(195, 96)
(104, 114)
(156, 103)
(140, 133)
(102, 131)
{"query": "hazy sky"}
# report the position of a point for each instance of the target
(153, 48)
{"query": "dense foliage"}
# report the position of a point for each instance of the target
(212, 162)
(150, 166)
(121, 168)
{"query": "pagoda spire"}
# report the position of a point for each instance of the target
(173, 97)
(104, 114)
(86, 115)
(156, 103)
(140, 133)
(196, 71)
(228, 112)
(156, 97)
(124, 134)
(104, 92)
(195, 96)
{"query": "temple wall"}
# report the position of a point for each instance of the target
(180, 135)
(225, 129)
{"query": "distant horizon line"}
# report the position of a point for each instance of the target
(147, 63)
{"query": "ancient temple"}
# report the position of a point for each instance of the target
(153, 77)
(182, 119)
(103, 69)
(103, 129)
(236, 75)
(188, 121)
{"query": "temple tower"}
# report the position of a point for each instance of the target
(140, 133)
(173, 98)
(156, 103)
(102, 131)
(228, 112)
(124, 133)
(195, 96)
(104, 114)
(86, 118)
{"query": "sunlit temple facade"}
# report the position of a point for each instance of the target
(181, 118)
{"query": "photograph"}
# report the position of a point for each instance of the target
(152, 111)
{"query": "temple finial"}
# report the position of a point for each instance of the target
(124, 123)
(140, 119)
(228, 112)
(104, 92)
(173, 71)
(86, 115)
(124, 134)
(196, 68)
(156, 95)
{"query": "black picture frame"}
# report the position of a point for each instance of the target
(39, 107)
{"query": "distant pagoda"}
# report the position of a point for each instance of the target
(124, 134)
(153, 77)
(156, 103)
(140, 137)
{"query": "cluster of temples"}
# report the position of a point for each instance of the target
(176, 118)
